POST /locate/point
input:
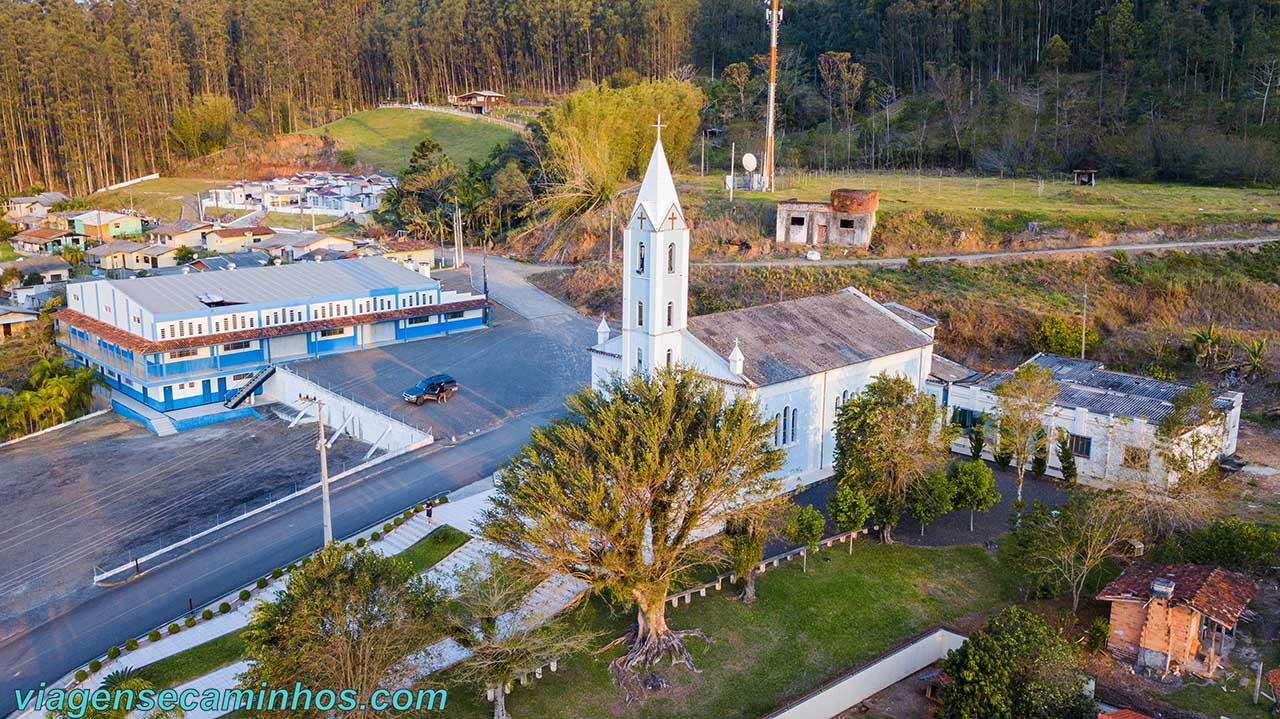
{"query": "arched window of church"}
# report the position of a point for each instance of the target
(786, 423)
(639, 314)
(795, 420)
(671, 257)
(640, 260)
(668, 359)
(777, 430)
(671, 310)
(639, 359)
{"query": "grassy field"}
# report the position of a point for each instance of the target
(194, 662)
(805, 629)
(1010, 204)
(7, 253)
(160, 198)
(385, 138)
(435, 546)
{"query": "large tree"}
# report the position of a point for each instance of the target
(616, 492)
(1016, 668)
(487, 615)
(347, 618)
(1021, 403)
(888, 440)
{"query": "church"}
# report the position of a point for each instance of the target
(800, 359)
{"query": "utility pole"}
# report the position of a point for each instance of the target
(733, 174)
(1084, 319)
(611, 230)
(702, 162)
(324, 469)
(457, 238)
(774, 15)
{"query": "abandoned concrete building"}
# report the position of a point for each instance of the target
(846, 221)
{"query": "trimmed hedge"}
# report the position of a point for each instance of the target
(386, 527)
(130, 644)
(244, 595)
(190, 622)
(207, 614)
(81, 675)
(224, 608)
(94, 666)
(262, 583)
(375, 537)
(277, 573)
(153, 635)
(113, 652)
(174, 628)
(360, 542)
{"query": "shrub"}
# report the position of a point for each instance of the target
(347, 547)
(386, 527)
(224, 608)
(408, 514)
(1061, 336)
(1099, 630)
(375, 537)
(153, 635)
(1229, 543)
(261, 583)
(291, 568)
(174, 628)
(207, 614)
(419, 508)
(113, 652)
(442, 499)
(913, 262)
(244, 595)
(277, 573)
(399, 521)
(81, 675)
(360, 542)
(305, 561)
(94, 666)
(189, 622)
(130, 644)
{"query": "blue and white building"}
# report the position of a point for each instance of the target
(180, 341)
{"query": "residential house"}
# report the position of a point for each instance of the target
(1173, 618)
(49, 268)
(324, 193)
(236, 239)
(154, 257)
(28, 207)
(478, 102)
(184, 340)
(183, 233)
(16, 319)
(116, 255)
(417, 255)
(292, 245)
(1111, 418)
(45, 241)
(101, 226)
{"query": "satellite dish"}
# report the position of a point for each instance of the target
(749, 162)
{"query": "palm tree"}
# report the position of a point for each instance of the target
(1207, 342)
(123, 680)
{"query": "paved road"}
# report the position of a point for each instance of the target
(1010, 254)
(72, 635)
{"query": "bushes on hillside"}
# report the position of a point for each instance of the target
(1227, 543)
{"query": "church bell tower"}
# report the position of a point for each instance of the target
(655, 261)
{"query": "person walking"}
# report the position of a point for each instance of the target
(430, 506)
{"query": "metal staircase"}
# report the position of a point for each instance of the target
(249, 387)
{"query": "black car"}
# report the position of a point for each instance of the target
(436, 387)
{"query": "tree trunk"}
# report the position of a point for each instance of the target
(500, 703)
(971, 513)
(748, 595)
(651, 641)
(886, 534)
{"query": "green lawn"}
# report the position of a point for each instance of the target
(435, 546)
(161, 198)
(1008, 205)
(194, 662)
(803, 631)
(385, 138)
(1236, 703)
(7, 253)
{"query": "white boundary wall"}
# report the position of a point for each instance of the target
(368, 425)
(877, 676)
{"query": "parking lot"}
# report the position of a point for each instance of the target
(515, 366)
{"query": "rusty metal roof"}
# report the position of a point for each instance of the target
(787, 340)
(1213, 591)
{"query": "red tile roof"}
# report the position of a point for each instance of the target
(1213, 591)
(134, 343)
(1123, 714)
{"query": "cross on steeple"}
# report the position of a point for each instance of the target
(659, 125)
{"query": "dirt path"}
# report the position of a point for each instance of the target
(1141, 248)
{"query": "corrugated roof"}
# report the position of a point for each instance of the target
(1213, 591)
(787, 340)
(1086, 384)
(945, 370)
(919, 320)
(115, 247)
(37, 263)
(301, 282)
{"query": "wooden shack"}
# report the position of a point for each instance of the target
(478, 102)
(1086, 178)
(1174, 618)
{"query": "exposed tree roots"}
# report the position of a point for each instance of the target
(647, 652)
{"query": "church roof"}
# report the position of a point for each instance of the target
(658, 190)
(788, 340)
